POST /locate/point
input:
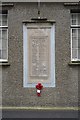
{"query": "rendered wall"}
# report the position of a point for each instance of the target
(66, 91)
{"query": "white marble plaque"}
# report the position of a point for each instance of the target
(39, 41)
(39, 54)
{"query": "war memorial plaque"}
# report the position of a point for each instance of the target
(39, 54)
(39, 51)
(39, 39)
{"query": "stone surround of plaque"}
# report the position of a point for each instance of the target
(39, 52)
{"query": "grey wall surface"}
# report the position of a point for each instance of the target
(66, 91)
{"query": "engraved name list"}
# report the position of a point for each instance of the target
(39, 41)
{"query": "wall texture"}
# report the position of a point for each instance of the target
(66, 91)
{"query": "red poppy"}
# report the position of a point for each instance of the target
(39, 86)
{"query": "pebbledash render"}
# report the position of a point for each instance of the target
(40, 43)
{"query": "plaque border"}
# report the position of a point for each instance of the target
(51, 82)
